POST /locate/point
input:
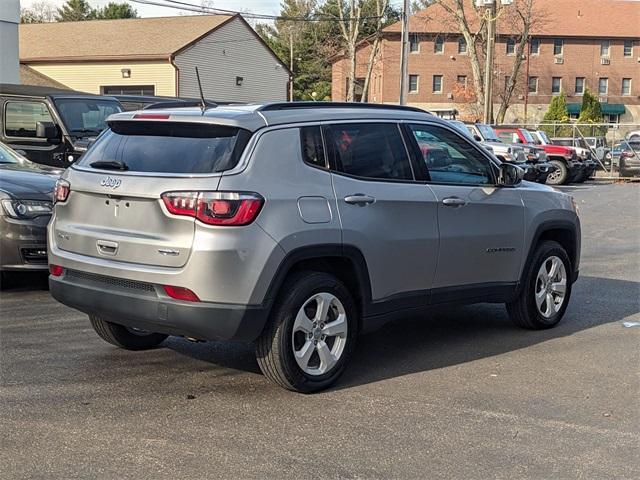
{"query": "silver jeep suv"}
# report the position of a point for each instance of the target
(299, 226)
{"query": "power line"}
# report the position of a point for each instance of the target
(178, 5)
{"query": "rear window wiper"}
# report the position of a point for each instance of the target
(110, 165)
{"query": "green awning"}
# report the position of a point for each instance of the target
(607, 108)
(612, 108)
(574, 108)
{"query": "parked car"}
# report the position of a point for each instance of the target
(581, 148)
(633, 136)
(26, 201)
(52, 126)
(565, 159)
(462, 128)
(298, 226)
(630, 159)
(531, 159)
(601, 147)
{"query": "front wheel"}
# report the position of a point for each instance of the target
(560, 175)
(544, 297)
(123, 337)
(311, 333)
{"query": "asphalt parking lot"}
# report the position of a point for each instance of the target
(458, 394)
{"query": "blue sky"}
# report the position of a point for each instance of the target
(270, 7)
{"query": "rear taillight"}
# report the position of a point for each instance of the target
(215, 208)
(181, 293)
(56, 270)
(62, 190)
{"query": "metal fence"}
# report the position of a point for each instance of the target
(602, 139)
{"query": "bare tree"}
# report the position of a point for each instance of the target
(471, 22)
(381, 8)
(350, 30)
(39, 12)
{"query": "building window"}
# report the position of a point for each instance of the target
(611, 118)
(438, 46)
(21, 118)
(628, 48)
(605, 48)
(128, 90)
(414, 43)
(558, 46)
(535, 46)
(556, 85)
(626, 87)
(579, 85)
(533, 84)
(603, 86)
(413, 83)
(462, 46)
(511, 46)
(462, 80)
(437, 84)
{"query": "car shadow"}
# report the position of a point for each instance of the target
(457, 335)
(446, 336)
(25, 281)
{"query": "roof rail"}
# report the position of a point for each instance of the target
(270, 107)
(179, 104)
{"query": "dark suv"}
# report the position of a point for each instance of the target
(50, 125)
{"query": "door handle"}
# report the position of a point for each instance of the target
(107, 248)
(454, 202)
(359, 199)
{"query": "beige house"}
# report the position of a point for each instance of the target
(157, 56)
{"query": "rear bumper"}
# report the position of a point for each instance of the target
(150, 310)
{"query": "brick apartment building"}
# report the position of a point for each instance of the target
(578, 44)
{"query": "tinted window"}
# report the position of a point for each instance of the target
(451, 159)
(169, 147)
(312, 148)
(20, 118)
(371, 150)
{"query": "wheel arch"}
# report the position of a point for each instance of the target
(346, 262)
(565, 233)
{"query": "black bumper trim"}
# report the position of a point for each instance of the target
(203, 321)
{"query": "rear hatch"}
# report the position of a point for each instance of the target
(115, 208)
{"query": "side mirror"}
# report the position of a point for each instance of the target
(47, 130)
(510, 175)
(477, 138)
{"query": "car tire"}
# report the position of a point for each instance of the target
(538, 305)
(622, 170)
(291, 349)
(560, 175)
(123, 337)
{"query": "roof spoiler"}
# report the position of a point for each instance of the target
(179, 104)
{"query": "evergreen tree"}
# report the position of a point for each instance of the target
(590, 113)
(75, 11)
(115, 10)
(556, 117)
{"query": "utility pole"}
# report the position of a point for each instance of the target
(291, 65)
(488, 70)
(404, 54)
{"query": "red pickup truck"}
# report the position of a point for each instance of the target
(568, 167)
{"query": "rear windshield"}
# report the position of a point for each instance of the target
(169, 147)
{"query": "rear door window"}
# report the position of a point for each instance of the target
(312, 146)
(169, 147)
(20, 118)
(369, 150)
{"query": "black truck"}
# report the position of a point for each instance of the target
(52, 126)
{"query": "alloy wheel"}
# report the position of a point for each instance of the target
(551, 286)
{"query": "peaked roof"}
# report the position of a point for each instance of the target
(141, 38)
(561, 18)
(29, 76)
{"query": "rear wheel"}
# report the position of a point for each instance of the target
(124, 337)
(560, 175)
(545, 294)
(311, 334)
